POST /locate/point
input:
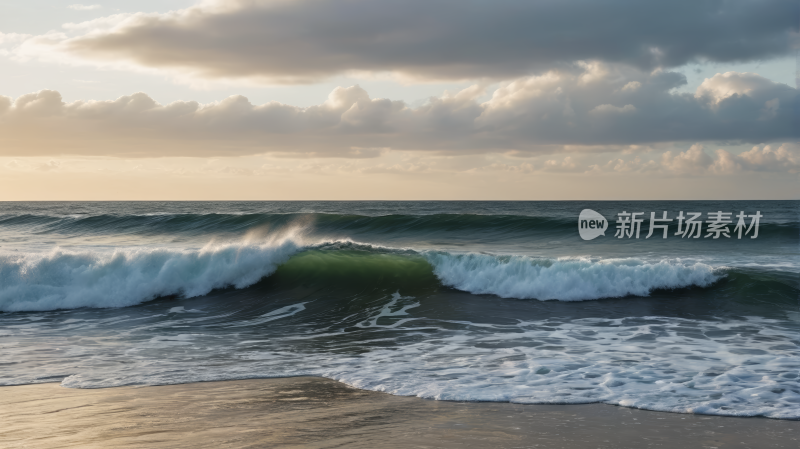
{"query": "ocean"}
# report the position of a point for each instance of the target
(464, 301)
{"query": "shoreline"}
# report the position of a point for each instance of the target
(319, 412)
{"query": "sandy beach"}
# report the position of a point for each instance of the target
(316, 412)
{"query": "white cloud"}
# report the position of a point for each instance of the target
(725, 85)
(568, 164)
(692, 161)
(767, 158)
(80, 7)
(555, 111)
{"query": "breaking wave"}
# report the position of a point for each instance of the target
(69, 280)
(66, 280)
(567, 279)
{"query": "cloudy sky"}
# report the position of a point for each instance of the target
(389, 99)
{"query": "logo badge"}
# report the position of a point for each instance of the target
(591, 224)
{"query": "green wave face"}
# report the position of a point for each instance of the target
(356, 269)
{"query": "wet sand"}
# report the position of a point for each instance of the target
(320, 413)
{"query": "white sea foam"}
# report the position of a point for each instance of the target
(734, 368)
(181, 309)
(64, 279)
(566, 279)
(386, 311)
(283, 312)
(737, 367)
(654, 363)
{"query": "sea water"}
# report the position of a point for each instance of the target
(468, 301)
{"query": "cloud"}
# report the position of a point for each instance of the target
(79, 7)
(785, 158)
(593, 108)
(725, 85)
(619, 165)
(582, 110)
(697, 162)
(611, 109)
(12, 42)
(42, 166)
(692, 161)
(281, 41)
(568, 164)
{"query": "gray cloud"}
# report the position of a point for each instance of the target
(305, 40)
(599, 105)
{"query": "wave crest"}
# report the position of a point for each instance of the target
(568, 279)
(68, 280)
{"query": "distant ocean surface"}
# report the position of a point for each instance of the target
(468, 301)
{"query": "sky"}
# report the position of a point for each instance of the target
(387, 99)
